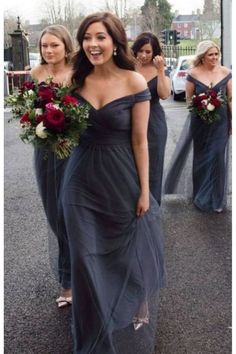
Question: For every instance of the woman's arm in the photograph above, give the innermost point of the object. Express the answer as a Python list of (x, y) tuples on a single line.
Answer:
[(229, 103), (229, 94), (140, 116), (163, 82), (189, 90)]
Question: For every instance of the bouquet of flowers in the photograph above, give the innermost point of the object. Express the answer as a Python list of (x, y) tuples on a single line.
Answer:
[(206, 104), (49, 116)]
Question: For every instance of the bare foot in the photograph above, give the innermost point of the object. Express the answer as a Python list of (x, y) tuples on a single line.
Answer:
[(65, 298)]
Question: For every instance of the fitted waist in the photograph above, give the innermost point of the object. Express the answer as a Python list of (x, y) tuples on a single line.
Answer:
[(106, 138)]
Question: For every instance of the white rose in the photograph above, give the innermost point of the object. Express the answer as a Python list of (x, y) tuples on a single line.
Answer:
[(210, 107), (28, 93), (40, 131), (204, 102), (38, 111)]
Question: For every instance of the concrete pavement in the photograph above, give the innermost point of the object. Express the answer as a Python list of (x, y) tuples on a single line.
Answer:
[(195, 307)]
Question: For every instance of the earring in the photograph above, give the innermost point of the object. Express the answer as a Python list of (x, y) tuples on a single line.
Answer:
[(115, 52)]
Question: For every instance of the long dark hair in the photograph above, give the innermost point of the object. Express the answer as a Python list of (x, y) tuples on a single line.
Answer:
[(81, 65), (147, 38)]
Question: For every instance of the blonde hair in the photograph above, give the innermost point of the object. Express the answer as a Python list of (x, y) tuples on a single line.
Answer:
[(201, 50)]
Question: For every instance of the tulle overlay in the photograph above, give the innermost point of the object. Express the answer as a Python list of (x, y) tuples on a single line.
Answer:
[(209, 157), (117, 258), (157, 136), (49, 175)]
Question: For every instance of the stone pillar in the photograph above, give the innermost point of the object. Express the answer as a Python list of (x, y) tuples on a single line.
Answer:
[(20, 48)]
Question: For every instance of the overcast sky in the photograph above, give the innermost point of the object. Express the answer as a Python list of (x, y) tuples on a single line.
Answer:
[(33, 10)]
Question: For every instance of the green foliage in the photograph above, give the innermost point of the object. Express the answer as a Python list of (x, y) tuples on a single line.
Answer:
[(156, 15), (165, 12)]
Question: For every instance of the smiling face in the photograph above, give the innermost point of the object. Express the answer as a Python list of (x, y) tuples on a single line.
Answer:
[(211, 57), (52, 49), (98, 44), (145, 54)]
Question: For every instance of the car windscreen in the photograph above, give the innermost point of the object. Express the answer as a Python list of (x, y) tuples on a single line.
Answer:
[(184, 65)]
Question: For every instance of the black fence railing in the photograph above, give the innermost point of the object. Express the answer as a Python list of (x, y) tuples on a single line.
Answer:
[(173, 51)]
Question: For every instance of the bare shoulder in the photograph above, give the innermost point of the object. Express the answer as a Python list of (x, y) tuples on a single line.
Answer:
[(193, 72), (225, 70), (37, 71), (136, 81)]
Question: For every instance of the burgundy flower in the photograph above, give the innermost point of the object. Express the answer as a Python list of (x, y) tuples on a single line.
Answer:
[(25, 118), (54, 120), (40, 118), (212, 93), (215, 102), (197, 101), (69, 100), (46, 93), (27, 85)]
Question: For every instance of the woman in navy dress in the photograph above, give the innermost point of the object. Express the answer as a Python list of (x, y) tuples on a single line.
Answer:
[(151, 65), (209, 171), (112, 222), (56, 48)]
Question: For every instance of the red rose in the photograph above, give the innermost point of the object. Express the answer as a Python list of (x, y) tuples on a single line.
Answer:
[(197, 101), (27, 85), (54, 120), (47, 94), (212, 93), (69, 100), (25, 118), (215, 102), (202, 97)]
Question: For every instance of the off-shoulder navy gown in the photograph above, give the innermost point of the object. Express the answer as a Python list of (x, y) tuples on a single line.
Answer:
[(49, 174), (157, 135), (209, 168), (116, 257)]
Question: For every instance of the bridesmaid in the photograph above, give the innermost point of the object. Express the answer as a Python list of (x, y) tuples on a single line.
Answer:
[(56, 48), (151, 64), (209, 171), (112, 221)]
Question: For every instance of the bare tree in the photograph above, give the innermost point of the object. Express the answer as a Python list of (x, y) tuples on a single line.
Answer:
[(151, 19), (119, 8), (67, 13), (210, 19), (10, 25)]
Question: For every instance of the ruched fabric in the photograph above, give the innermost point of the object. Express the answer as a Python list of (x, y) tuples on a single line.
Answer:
[(157, 136), (49, 172), (117, 259)]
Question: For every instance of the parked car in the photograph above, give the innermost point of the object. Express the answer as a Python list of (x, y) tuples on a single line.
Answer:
[(34, 59), (170, 63), (178, 76)]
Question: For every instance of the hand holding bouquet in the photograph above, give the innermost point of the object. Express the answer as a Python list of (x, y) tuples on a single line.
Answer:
[(206, 104), (49, 116)]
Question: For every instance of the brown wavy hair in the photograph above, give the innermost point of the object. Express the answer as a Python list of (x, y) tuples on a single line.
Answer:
[(81, 64), (147, 38), (61, 33)]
